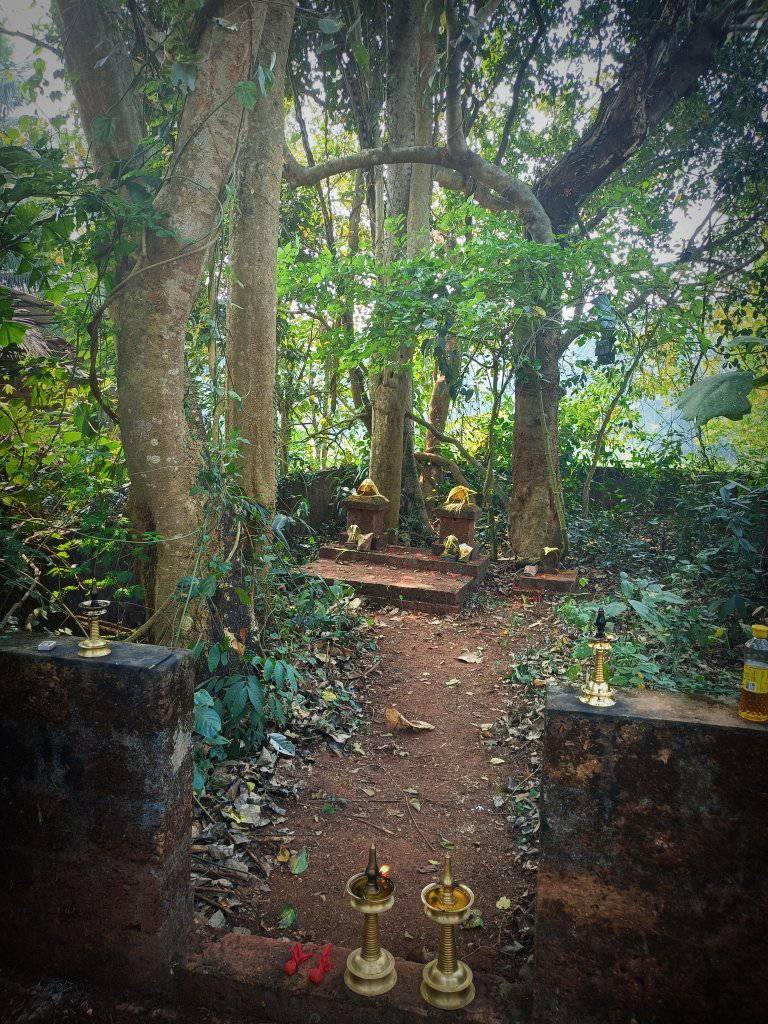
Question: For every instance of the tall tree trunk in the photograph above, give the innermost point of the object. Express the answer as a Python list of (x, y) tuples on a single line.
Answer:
[(390, 390), (536, 513), (417, 226), (153, 302), (252, 323)]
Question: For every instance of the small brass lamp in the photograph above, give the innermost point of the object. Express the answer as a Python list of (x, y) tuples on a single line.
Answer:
[(94, 646), (371, 969), (595, 691), (447, 981)]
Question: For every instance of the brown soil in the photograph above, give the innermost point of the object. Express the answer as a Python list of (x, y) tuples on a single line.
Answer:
[(413, 792)]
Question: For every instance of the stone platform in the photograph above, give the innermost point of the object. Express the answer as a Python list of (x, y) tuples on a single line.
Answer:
[(240, 977), (412, 578), (652, 890), (96, 791)]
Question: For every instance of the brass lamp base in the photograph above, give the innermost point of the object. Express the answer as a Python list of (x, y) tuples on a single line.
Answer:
[(370, 968), (370, 977), (446, 991), (597, 695), (596, 692), (446, 982), (94, 645), (93, 648)]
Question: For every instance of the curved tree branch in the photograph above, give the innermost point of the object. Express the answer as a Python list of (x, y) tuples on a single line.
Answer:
[(663, 68), (513, 193)]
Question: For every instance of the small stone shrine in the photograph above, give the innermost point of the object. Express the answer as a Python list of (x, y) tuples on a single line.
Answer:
[(365, 511), (436, 579), (457, 518)]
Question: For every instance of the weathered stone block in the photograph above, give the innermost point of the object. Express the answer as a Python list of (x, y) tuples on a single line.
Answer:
[(367, 516), (459, 524), (241, 977), (653, 888), (95, 782)]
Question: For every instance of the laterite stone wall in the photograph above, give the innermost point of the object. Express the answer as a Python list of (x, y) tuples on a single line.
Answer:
[(653, 881), (96, 792)]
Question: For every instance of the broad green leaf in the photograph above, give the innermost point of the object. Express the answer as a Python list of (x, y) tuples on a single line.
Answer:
[(11, 333), (330, 25), (207, 722), (214, 658), (299, 862), (103, 128), (247, 94), (236, 698), (255, 695), (266, 79), (724, 394), (646, 613)]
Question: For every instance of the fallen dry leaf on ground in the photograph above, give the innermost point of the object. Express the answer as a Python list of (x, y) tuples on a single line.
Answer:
[(397, 721)]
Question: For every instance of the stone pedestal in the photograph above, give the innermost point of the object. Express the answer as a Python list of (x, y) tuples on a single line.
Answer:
[(96, 791), (460, 524), (653, 882), (367, 514)]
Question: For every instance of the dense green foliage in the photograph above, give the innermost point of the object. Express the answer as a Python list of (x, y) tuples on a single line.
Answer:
[(660, 295)]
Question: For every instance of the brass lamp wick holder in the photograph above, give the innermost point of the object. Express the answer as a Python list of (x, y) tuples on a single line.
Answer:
[(595, 691), (446, 981), (94, 645), (370, 968)]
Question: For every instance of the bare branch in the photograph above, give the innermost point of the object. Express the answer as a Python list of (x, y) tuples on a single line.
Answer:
[(664, 67), (33, 39), (446, 440), (520, 77)]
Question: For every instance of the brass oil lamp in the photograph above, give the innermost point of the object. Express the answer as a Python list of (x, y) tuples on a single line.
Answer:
[(371, 969), (447, 981), (94, 645), (596, 692)]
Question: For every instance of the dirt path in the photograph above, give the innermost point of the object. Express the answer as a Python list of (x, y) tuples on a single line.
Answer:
[(414, 793)]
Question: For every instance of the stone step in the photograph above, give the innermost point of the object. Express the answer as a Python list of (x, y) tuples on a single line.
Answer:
[(241, 977), (403, 557), (419, 589)]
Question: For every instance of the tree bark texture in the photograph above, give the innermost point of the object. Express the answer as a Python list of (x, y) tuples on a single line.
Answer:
[(151, 305), (439, 408), (536, 516), (390, 390), (408, 105), (89, 35), (389, 401), (252, 317)]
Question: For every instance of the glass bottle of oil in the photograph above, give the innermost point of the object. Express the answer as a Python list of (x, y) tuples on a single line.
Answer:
[(753, 703)]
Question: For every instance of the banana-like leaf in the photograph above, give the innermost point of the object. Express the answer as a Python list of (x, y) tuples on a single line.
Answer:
[(724, 394)]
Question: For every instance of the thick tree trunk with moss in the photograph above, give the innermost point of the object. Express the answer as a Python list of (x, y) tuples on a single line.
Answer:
[(251, 322), (152, 303)]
